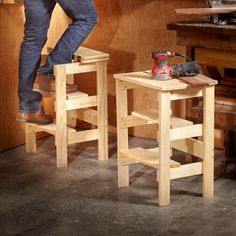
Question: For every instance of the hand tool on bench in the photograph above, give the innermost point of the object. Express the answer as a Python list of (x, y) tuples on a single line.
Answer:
[(161, 70), (184, 71), (222, 12)]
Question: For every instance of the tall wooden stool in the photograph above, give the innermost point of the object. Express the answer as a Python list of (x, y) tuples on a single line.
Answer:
[(173, 132), (82, 103)]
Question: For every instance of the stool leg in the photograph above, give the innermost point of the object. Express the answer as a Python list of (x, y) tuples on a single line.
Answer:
[(61, 119), (208, 141), (30, 138), (164, 148), (102, 117), (122, 133), (71, 119)]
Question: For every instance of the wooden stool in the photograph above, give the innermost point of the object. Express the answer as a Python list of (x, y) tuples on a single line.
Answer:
[(90, 61), (173, 132)]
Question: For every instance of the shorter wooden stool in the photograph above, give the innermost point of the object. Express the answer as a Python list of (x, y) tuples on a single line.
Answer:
[(173, 132), (81, 103)]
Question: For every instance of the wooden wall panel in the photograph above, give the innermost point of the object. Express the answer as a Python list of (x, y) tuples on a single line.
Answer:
[(11, 34), (128, 30)]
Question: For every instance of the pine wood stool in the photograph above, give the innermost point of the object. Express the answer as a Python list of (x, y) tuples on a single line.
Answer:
[(173, 132), (81, 103)]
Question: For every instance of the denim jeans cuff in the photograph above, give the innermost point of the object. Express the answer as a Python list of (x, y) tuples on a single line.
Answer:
[(31, 111)]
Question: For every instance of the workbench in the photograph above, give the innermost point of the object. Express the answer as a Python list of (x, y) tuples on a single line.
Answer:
[(172, 132), (214, 48)]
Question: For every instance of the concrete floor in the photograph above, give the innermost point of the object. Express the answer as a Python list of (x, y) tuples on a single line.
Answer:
[(83, 199)]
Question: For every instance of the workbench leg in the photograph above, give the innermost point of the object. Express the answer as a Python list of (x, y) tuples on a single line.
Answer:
[(164, 148), (30, 138), (122, 133), (208, 141), (61, 116), (102, 117)]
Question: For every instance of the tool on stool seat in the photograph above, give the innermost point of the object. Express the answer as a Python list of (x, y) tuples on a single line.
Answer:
[(161, 70), (188, 72)]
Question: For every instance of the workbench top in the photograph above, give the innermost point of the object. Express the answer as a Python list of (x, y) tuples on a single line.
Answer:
[(202, 27)]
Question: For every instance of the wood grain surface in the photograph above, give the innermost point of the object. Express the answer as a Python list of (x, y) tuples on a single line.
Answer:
[(204, 11), (11, 34), (127, 30)]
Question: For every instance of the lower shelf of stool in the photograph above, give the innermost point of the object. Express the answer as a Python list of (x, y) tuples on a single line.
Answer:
[(73, 135), (147, 157), (50, 128)]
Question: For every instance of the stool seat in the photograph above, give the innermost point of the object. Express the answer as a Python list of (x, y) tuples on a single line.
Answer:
[(87, 55)]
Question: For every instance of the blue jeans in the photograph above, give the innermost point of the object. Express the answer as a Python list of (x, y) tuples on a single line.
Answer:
[(38, 15)]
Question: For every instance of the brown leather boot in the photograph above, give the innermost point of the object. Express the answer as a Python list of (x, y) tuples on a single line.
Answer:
[(38, 117), (46, 84)]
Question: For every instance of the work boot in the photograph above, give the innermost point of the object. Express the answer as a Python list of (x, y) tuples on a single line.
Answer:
[(46, 84), (38, 117)]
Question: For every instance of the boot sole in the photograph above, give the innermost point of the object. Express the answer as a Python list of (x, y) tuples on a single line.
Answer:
[(32, 121)]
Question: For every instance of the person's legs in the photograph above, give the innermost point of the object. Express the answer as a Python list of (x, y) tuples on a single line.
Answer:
[(38, 14), (84, 17)]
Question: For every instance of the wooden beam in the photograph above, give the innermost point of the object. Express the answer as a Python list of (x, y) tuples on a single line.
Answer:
[(186, 132), (186, 170), (76, 68), (102, 113), (30, 138), (87, 115), (189, 145), (82, 136), (147, 157), (86, 102), (186, 93), (208, 141), (61, 118), (122, 133), (163, 175), (133, 121)]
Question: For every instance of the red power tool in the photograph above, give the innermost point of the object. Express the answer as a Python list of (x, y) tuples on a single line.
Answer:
[(161, 70)]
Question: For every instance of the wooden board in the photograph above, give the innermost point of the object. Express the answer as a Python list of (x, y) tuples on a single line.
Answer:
[(146, 157), (143, 79), (218, 58), (76, 95), (204, 11), (205, 27), (87, 55), (50, 128), (153, 117)]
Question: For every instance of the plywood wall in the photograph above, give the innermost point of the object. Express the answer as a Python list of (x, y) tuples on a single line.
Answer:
[(11, 34), (128, 30)]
